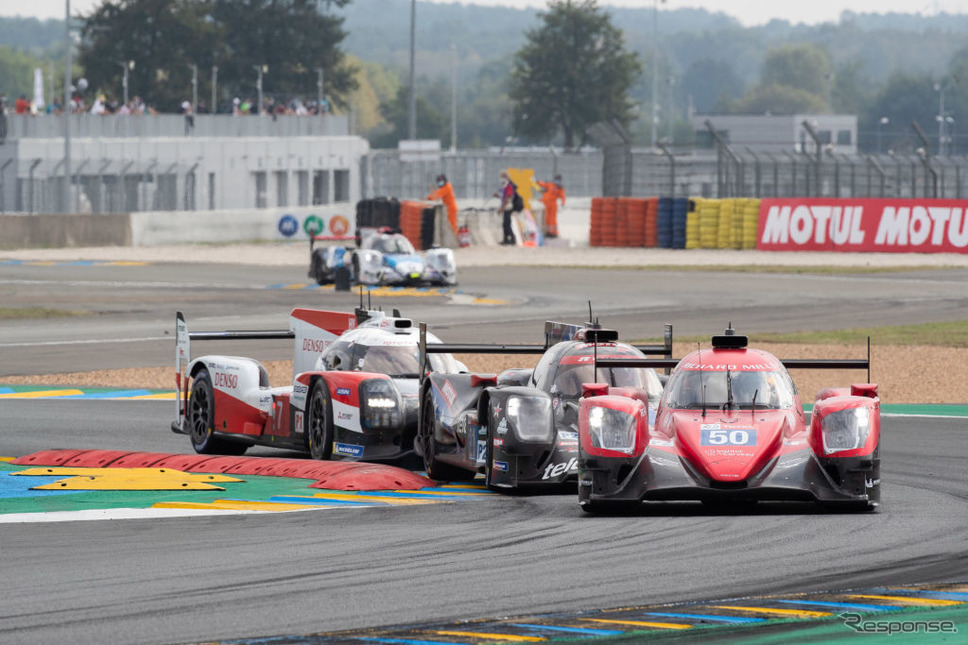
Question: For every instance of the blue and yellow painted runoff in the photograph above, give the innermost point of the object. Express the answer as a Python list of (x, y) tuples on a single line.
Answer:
[(61, 392), (73, 263), (649, 622)]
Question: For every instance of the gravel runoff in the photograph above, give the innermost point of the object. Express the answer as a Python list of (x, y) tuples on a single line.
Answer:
[(296, 254)]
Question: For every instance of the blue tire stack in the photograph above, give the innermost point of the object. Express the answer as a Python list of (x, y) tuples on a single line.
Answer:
[(664, 223), (680, 208)]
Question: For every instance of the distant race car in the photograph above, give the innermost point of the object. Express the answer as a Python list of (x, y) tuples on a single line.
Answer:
[(730, 428), (353, 393), (384, 257), (520, 427)]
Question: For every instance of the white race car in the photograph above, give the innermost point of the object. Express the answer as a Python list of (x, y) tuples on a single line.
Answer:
[(387, 257)]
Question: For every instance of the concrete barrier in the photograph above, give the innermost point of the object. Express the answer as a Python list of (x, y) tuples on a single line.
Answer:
[(271, 224), (22, 231)]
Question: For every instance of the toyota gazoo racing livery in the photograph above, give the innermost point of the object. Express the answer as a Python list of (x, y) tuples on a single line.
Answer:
[(520, 427), (386, 257), (353, 394), (730, 428)]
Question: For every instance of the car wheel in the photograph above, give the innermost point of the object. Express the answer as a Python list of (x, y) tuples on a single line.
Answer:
[(319, 422), (437, 470), (201, 420), (317, 269)]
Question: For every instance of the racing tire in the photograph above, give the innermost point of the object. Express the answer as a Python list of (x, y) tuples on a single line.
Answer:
[(319, 422), (437, 470), (201, 420), (317, 268)]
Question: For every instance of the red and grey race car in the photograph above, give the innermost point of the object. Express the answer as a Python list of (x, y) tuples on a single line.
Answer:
[(520, 427), (730, 428), (353, 393)]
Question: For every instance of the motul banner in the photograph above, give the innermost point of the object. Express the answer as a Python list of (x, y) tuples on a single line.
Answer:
[(884, 225)]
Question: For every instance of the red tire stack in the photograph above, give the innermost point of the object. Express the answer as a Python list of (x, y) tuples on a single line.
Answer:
[(595, 225), (651, 225), (636, 218), (411, 222), (622, 223)]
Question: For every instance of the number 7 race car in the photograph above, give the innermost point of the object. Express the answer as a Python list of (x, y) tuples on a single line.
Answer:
[(730, 428), (353, 393), (520, 427)]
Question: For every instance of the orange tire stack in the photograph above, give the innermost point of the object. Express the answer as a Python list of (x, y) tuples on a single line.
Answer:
[(636, 219), (595, 225), (608, 221), (651, 225), (622, 223), (411, 221)]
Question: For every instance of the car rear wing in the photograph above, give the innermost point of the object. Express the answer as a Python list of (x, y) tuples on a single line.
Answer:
[(329, 238), (555, 332), (789, 363)]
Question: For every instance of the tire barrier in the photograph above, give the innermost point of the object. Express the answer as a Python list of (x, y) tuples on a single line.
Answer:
[(674, 223), (378, 212)]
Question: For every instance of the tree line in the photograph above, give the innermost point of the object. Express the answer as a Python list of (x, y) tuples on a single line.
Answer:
[(534, 77)]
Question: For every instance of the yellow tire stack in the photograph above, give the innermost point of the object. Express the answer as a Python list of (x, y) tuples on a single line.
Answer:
[(708, 223), (724, 232), (693, 222), (751, 223)]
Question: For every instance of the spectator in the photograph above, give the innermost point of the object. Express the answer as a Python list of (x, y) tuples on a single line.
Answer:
[(511, 202), (553, 192), (445, 193), (186, 109), (22, 105)]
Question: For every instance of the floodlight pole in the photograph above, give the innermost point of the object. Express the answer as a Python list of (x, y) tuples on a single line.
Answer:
[(66, 196)]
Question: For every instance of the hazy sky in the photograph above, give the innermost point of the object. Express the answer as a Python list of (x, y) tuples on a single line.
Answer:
[(749, 12)]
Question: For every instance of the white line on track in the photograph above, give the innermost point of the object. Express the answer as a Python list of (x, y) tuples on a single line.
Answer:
[(87, 342)]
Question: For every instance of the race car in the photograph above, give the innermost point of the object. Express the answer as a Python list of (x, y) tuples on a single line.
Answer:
[(520, 427), (383, 256), (730, 428), (353, 394)]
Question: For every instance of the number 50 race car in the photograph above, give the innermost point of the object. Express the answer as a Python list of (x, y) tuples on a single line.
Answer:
[(730, 427), (520, 427), (353, 393)]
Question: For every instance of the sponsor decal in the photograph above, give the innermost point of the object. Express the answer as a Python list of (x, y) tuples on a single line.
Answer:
[(481, 451), (557, 470), (298, 422), (886, 225), (344, 415), (339, 225), (314, 345), (225, 381), (288, 225), (448, 392), (717, 436), (348, 449), (498, 442), (502, 427), (500, 465), (313, 225), (497, 410), (342, 391)]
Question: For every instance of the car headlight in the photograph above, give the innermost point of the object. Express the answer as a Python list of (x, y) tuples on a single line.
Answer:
[(530, 417), (380, 404), (845, 429), (611, 429)]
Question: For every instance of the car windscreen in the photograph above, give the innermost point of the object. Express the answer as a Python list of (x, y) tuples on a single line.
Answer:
[(392, 360), (569, 379), (694, 389)]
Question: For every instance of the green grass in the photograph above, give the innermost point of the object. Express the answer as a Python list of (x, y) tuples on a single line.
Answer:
[(946, 334), (26, 313)]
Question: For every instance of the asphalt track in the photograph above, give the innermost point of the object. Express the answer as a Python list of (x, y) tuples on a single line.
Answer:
[(205, 578)]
